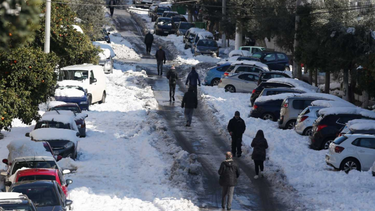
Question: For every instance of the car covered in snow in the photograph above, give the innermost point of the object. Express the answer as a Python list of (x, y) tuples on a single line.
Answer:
[(362, 126), (163, 26), (158, 12), (43, 174), (182, 27), (352, 152), (245, 66), (72, 94), (331, 121), (243, 82), (63, 142), (258, 90), (90, 77), (205, 47), (16, 201), (265, 76), (215, 73), (47, 195), (190, 36)]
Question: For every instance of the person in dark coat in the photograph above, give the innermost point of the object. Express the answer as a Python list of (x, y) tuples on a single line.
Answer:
[(111, 6), (160, 58), (259, 152), (149, 39), (236, 127), (190, 102), (228, 179), (172, 77), (193, 80)]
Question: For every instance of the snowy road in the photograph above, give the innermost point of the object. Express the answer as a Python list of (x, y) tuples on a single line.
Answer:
[(201, 139)]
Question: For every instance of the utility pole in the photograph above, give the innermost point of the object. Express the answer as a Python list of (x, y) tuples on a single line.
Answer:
[(47, 30), (238, 41), (224, 11), (296, 69)]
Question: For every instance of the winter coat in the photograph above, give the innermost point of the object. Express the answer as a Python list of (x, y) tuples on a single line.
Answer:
[(111, 3), (228, 173), (149, 38), (160, 55), (259, 152), (190, 100), (193, 79), (237, 127), (172, 76)]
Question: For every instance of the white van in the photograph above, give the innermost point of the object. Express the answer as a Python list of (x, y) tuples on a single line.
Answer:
[(90, 77)]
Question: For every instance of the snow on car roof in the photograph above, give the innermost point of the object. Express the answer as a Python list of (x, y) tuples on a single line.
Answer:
[(64, 117), (275, 97), (361, 124), (196, 30), (106, 47), (239, 53), (52, 104), (64, 91), (26, 148), (81, 67), (322, 95), (329, 103), (347, 110), (205, 34), (44, 134), (259, 64), (296, 83), (11, 195)]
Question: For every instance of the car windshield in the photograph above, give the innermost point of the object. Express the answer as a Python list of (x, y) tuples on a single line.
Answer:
[(51, 124), (75, 109), (16, 207), (36, 177), (34, 164), (78, 75), (41, 195), (207, 43), (165, 22), (257, 55), (184, 25)]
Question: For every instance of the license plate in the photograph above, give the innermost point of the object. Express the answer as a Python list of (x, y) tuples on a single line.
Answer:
[(166, 32), (56, 152)]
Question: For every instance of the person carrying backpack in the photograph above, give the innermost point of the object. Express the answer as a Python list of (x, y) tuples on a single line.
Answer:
[(228, 179), (172, 77)]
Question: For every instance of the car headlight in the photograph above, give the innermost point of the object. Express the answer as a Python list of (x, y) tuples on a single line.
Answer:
[(83, 102), (68, 145)]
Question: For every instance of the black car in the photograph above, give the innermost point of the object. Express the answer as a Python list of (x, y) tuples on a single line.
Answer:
[(74, 107), (46, 195), (275, 91), (327, 127), (265, 76), (182, 27), (16, 201), (256, 92), (176, 20), (158, 12), (163, 26), (267, 110), (274, 60)]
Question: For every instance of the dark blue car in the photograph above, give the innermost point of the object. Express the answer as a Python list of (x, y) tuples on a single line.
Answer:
[(214, 75), (163, 26), (72, 94), (274, 60)]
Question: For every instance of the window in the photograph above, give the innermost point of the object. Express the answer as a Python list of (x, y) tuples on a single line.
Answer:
[(248, 77), (270, 57), (245, 49), (254, 50), (241, 69), (254, 70), (281, 56), (92, 74), (298, 104), (367, 143), (223, 68), (266, 76)]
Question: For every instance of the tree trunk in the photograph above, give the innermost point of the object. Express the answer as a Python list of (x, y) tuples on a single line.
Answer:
[(327, 82), (299, 72), (310, 74), (346, 84), (365, 98), (190, 15), (316, 77)]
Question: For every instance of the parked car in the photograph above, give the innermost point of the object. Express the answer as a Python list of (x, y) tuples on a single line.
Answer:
[(331, 120), (44, 174), (215, 73), (80, 118), (90, 77), (265, 76), (361, 126), (274, 60), (202, 35), (352, 152), (252, 49), (63, 142), (239, 53), (205, 46), (72, 94), (245, 66), (280, 90), (158, 12), (182, 27), (293, 106), (46, 194), (169, 14), (242, 82), (163, 26), (190, 36), (16, 201), (105, 56), (256, 92), (247, 58), (268, 107), (176, 20)]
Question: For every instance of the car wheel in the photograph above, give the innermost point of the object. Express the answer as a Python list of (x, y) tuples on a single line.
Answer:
[(327, 142), (215, 82), (103, 98), (186, 47), (290, 124), (308, 131), (89, 101), (350, 164), (230, 88), (268, 116)]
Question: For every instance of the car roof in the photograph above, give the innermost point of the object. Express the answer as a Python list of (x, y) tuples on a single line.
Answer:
[(37, 171), (66, 105), (348, 111), (47, 134), (252, 63), (65, 119), (81, 67), (12, 196), (283, 89), (266, 83), (34, 158), (26, 148), (196, 30), (360, 135)]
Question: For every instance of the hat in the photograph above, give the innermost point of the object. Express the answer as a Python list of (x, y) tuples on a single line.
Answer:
[(237, 113)]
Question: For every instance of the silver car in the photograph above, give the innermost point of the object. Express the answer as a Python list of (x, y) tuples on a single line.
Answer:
[(306, 119), (242, 82)]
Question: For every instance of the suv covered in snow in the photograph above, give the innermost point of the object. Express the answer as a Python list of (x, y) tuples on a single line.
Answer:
[(16, 201)]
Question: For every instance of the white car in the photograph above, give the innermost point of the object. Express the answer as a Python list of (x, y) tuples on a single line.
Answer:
[(90, 77), (306, 119), (245, 66), (352, 151), (243, 82)]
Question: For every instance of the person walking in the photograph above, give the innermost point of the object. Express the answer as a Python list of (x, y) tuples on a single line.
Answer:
[(149, 39), (111, 6), (228, 179), (236, 127), (259, 152), (160, 58), (172, 77), (190, 102), (193, 80)]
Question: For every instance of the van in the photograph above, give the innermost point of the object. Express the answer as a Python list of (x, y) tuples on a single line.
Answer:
[(90, 77), (190, 36)]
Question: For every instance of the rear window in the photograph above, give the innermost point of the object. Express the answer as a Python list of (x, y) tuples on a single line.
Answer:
[(339, 140), (230, 68), (37, 177), (305, 111), (223, 68), (301, 104)]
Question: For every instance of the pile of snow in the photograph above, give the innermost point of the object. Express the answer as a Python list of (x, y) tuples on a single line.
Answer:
[(361, 124), (106, 47), (239, 53), (69, 91), (329, 103), (275, 97), (347, 110), (118, 49), (300, 85), (47, 134), (26, 148)]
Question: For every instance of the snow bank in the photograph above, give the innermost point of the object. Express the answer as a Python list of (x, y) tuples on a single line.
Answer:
[(347, 110), (329, 104), (106, 47), (361, 124), (296, 83), (69, 92), (47, 134), (275, 97), (26, 148)]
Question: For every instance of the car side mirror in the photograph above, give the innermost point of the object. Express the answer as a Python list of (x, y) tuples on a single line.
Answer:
[(8, 183), (68, 202), (93, 80), (5, 161), (66, 171), (68, 182), (27, 134)]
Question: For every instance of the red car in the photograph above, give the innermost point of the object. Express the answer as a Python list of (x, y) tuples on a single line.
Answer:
[(44, 174)]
